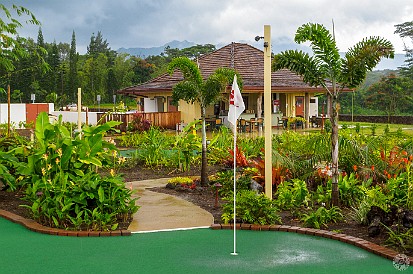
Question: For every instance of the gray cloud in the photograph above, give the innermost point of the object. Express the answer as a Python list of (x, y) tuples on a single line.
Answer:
[(147, 23)]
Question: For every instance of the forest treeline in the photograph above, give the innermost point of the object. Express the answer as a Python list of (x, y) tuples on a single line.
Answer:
[(102, 71)]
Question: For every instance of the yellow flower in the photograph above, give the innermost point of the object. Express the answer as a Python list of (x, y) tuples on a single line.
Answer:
[(112, 172), (49, 167), (45, 156), (121, 160), (43, 171), (59, 152), (115, 153), (57, 161)]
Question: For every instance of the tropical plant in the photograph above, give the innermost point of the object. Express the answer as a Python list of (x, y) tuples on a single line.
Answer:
[(327, 69), (350, 191), (218, 146), (251, 208), (399, 239), (138, 123), (205, 92), (322, 216), (62, 183), (187, 145), (154, 148), (292, 194), (359, 213), (226, 180)]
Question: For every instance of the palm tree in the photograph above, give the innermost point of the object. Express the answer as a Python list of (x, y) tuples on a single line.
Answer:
[(193, 88), (326, 66)]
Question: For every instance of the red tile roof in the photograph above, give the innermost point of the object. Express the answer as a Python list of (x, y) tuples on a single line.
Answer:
[(246, 59)]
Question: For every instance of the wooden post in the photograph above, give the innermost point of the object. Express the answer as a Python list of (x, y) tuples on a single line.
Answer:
[(79, 111), (267, 111), (8, 110)]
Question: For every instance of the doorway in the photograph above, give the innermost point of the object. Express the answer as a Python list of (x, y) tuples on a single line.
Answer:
[(299, 106)]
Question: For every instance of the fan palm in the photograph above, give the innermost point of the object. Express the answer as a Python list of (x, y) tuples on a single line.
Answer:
[(327, 69), (193, 88)]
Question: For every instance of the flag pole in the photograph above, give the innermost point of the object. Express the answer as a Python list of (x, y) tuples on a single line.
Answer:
[(236, 107), (235, 186)]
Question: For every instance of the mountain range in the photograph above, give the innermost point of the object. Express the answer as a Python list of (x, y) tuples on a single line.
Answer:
[(277, 46)]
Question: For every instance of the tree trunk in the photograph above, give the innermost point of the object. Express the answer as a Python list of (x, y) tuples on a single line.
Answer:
[(334, 150), (204, 163)]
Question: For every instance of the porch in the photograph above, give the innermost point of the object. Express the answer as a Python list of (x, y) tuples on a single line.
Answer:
[(165, 120)]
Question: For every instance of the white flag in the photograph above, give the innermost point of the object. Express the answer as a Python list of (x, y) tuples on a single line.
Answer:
[(236, 104)]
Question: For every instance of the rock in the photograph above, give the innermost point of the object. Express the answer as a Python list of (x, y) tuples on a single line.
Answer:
[(374, 219), (374, 227), (407, 219), (170, 186), (256, 186)]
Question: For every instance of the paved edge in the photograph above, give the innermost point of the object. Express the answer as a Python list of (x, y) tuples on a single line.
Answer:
[(36, 227), (366, 245)]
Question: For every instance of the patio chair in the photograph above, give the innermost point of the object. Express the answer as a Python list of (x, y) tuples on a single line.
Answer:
[(280, 122), (218, 123), (260, 123), (242, 125), (252, 124)]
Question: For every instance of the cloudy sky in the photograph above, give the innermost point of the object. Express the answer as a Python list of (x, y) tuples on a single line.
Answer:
[(148, 23)]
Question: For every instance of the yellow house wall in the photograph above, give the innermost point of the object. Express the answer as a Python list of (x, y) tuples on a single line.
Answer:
[(189, 112)]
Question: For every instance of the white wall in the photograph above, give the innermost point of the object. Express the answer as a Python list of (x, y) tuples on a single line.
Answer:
[(150, 105), (71, 116), (17, 114), (313, 107)]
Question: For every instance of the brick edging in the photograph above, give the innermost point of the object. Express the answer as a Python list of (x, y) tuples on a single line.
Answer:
[(366, 245), (36, 227)]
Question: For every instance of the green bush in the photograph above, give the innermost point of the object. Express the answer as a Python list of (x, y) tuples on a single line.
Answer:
[(226, 179), (292, 194), (322, 216), (251, 208), (62, 183)]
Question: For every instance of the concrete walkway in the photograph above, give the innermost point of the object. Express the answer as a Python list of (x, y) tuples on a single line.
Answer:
[(160, 211)]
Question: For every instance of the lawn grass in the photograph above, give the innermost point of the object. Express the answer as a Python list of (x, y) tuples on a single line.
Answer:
[(366, 128)]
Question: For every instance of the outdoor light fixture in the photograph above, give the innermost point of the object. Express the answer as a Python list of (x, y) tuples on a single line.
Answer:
[(258, 38)]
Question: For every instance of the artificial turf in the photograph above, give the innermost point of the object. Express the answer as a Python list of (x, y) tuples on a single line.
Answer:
[(190, 251)]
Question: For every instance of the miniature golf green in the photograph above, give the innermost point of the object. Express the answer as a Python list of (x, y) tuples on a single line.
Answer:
[(190, 251)]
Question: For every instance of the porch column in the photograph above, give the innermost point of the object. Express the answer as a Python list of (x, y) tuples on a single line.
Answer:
[(307, 109), (267, 111)]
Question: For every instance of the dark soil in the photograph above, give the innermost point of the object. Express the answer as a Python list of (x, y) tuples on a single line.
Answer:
[(204, 197)]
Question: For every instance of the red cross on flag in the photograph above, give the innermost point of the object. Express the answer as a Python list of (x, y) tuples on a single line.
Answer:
[(236, 104)]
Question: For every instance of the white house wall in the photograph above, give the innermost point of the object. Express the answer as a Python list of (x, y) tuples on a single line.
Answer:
[(71, 116), (17, 114), (150, 105)]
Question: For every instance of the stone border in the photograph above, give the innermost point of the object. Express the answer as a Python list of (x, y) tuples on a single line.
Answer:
[(36, 227), (366, 245)]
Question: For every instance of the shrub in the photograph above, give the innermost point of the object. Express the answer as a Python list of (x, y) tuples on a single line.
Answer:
[(322, 216), (138, 123), (359, 214), (226, 179), (251, 208), (290, 195), (62, 183)]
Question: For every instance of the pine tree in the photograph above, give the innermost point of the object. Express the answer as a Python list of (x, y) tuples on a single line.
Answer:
[(73, 77)]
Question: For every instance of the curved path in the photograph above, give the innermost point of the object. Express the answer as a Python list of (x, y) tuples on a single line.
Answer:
[(160, 211)]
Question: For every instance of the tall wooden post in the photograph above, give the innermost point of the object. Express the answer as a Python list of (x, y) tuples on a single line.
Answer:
[(79, 112), (8, 110), (267, 111)]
